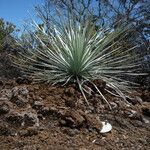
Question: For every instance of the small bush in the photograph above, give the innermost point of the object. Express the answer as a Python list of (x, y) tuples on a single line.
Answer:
[(7, 70)]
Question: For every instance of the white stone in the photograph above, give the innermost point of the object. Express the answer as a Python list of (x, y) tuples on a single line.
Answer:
[(106, 127)]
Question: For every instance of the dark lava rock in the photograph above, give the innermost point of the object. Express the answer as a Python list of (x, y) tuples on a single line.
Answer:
[(13, 133), (70, 91), (4, 130), (20, 96), (32, 131), (15, 119), (23, 91), (134, 115), (145, 96), (28, 132), (23, 133), (31, 119), (50, 111), (20, 91), (44, 111), (1, 83), (118, 121), (4, 108), (133, 101), (137, 123), (5, 94), (93, 122), (23, 119), (71, 132), (37, 105), (72, 119), (100, 142), (146, 111), (9, 83), (19, 101), (70, 103)]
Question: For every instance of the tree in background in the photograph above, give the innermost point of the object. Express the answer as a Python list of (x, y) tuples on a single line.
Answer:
[(6, 35), (110, 12), (7, 46)]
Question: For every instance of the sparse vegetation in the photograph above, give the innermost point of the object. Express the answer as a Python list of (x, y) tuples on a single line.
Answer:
[(6, 38)]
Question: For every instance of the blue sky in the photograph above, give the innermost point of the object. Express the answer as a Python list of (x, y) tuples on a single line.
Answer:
[(16, 11)]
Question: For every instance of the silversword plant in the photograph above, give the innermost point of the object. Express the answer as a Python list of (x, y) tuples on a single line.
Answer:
[(73, 51)]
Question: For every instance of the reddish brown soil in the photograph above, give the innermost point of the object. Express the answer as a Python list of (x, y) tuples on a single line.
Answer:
[(45, 117)]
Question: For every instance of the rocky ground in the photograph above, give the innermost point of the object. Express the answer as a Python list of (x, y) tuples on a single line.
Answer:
[(45, 117)]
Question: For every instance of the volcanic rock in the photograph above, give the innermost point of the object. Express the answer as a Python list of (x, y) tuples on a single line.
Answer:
[(30, 119), (72, 119), (15, 118), (4, 108), (93, 122), (5, 94), (4, 130), (19, 100), (38, 105)]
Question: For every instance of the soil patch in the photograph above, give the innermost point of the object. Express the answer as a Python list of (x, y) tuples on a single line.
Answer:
[(41, 116)]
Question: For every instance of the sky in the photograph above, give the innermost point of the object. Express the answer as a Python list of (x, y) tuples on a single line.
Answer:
[(17, 11)]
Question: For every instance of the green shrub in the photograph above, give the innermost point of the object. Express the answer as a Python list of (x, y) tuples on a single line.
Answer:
[(6, 38), (7, 46)]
